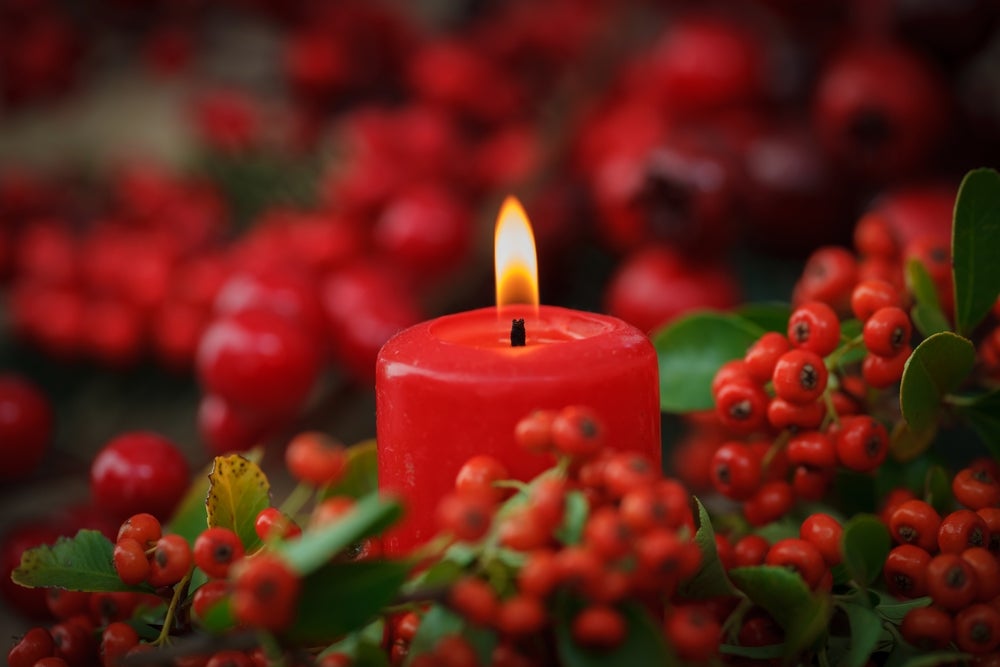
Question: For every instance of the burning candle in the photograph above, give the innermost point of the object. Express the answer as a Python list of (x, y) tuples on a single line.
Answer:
[(455, 387)]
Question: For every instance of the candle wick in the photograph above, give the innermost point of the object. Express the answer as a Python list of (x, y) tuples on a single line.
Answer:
[(518, 335)]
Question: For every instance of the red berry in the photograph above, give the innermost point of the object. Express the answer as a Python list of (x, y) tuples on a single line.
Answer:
[(577, 431), (143, 528), (823, 532), (25, 426), (32, 647), (736, 471), (607, 533), (829, 276), (872, 295), (271, 524), (991, 517), (693, 632), (331, 510), (976, 487), (814, 326), (750, 550), (467, 515), (170, 561), (905, 571), (730, 372), (625, 471), (116, 641), (782, 414), (799, 376), (812, 448), (534, 432), (799, 555), (229, 658), (887, 332), (741, 407), (987, 570), (73, 642), (479, 473), (207, 596), (131, 562), (64, 604), (915, 522), (539, 575), (139, 472), (951, 582), (927, 628), (862, 443), (763, 354), (474, 599), (315, 458), (265, 593), (521, 616), (215, 550), (882, 372), (599, 627), (960, 530), (771, 502), (977, 629)]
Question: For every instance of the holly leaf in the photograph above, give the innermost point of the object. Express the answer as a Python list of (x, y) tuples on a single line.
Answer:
[(315, 548), (710, 580), (866, 629), (691, 350), (574, 518), (982, 413), (342, 597), (643, 645), (237, 492), (937, 367), (865, 544), (361, 475), (975, 244), (926, 313), (80, 563)]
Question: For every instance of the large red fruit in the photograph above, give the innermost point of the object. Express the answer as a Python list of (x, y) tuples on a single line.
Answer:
[(656, 285), (25, 426), (139, 472), (259, 360)]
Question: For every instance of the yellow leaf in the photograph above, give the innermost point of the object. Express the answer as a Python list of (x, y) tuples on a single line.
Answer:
[(238, 490)]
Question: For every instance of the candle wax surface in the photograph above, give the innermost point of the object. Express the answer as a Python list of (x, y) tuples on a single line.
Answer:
[(453, 388)]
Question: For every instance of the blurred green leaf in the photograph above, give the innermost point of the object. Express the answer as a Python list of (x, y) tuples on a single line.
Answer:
[(926, 312), (710, 581), (982, 413), (866, 628), (769, 316), (361, 476), (574, 518), (865, 544), (937, 489), (937, 366), (975, 247)]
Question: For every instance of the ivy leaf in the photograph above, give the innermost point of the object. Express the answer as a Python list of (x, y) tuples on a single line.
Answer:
[(80, 563), (342, 597), (865, 544), (926, 313), (982, 413), (692, 349), (316, 547), (574, 518), (937, 366), (866, 628), (710, 581), (975, 242), (238, 490), (361, 476), (643, 645)]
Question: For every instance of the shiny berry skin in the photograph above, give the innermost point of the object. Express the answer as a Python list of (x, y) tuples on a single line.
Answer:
[(862, 443), (215, 550), (116, 640), (139, 472), (316, 458), (467, 515), (272, 524), (525, 529), (960, 530), (73, 642), (881, 372), (987, 569), (811, 484), (25, 426), (905, 571), (915, 522), (32, 647), (599, 626), (64, 604), (283, 292), (799, 376), (131, 562), (577, 431), (814, 449), (951, 582), (144, 528), (782, 414), (977, 629), (474, 599), (761, 357), (539, 575), (771, 502), (976, 487), (735, 370), (53, 661), (741, 407), (870, 296), (799, 555), (829, 276), (607, 533), (265, 593), (693, 632), (814, 326), (736, 471), (259, 360), (207, 596), (887, 331), (521, 615), (750, 550), (479, 473), (170, 562), (991, 517), (927, 628), (823, 532), (624, 471), (534, 432)]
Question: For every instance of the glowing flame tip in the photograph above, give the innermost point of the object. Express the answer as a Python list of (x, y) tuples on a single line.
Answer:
[(516, 263)]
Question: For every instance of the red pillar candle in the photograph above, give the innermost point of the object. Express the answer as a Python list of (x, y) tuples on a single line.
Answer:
[(455, 387)]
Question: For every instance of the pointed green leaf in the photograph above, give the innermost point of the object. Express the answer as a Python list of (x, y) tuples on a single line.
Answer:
[(781, 592), (238, 491), (80, 563), (710, 581), (926, 312), (866, 628), (691, 350), (574, 518), (865, 544), (975, 246), (938, 366)]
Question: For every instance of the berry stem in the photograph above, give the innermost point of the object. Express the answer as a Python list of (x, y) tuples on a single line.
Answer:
[(833, 361), (180, 591)]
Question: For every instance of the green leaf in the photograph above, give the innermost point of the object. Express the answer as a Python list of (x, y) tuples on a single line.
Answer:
[(363, 647), (907, 445), (982, 413), (808, 627), (361, 476), (316, 547), (710, 581), (80, 563), (937, 489), (781, 592), (895, 611), (937, 367), (926, 312), (691, 350), (574, 518), (865, 544), (768, 315), (923, 659), (238, 491), (754, 652), (644, 642), (190, 518), (975, 246), (866, 628), (439, 622), (342, 597)]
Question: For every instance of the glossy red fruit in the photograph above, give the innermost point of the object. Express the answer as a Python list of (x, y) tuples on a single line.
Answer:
[(862, 443), (750, 550), (761, 357), (226, 427), (32, 647), (577, 431), (802, 556), (977, 629), (741, 407), (927, 628), (265, 593), (771, 502), (951, 582), (915, 522), (259, 360), (290, 294), (693, 632), (887, 331), (474, 599), (130, 561), (823, 532), (881, 372), (736, 471), (976, 487), (116, 641), (829, 276), (814, 326), (480, 473), (316, 458), (139, 472), (64, 603), (216, 549), (905, 571), (987, 569), (25, 426), (170, 561), (799, 376), (272, 524), (872, 295), (207, 596), (599, 627), (467, 515), (960, 530)]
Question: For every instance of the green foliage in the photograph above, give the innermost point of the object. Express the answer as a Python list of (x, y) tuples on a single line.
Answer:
[(238, 491), (982, 413), (644, 642), (937, 367), (440, 622), (710, 581), (361, 476), (974, 243), (865, 543), (80, 563), (866, 630), (574, 518), (926, 311), (692, 349)]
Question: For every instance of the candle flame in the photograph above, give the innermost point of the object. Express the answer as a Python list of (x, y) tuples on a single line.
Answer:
[(514, 256)]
